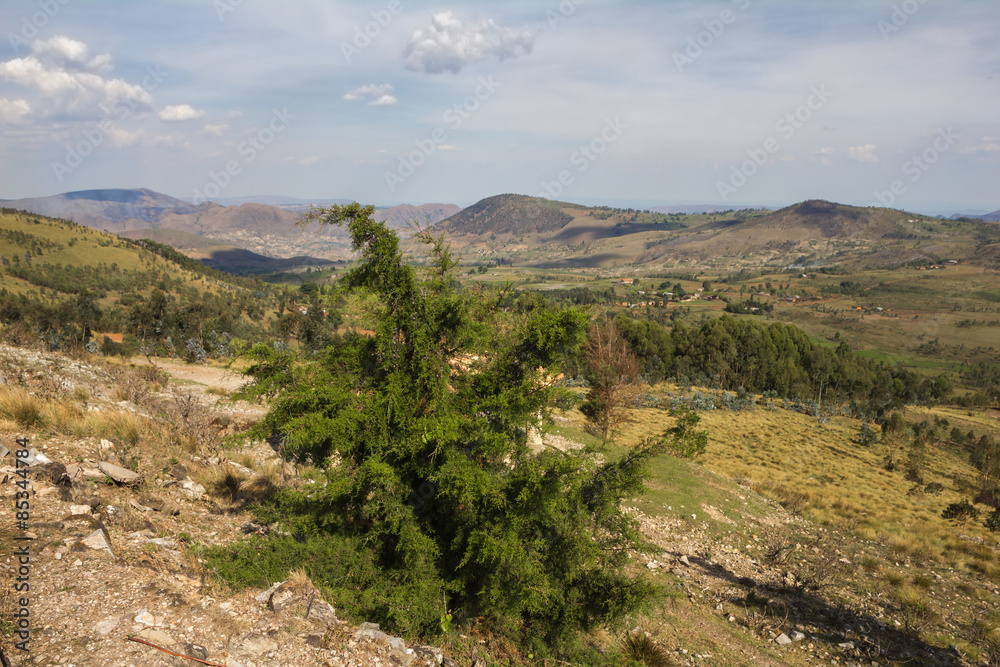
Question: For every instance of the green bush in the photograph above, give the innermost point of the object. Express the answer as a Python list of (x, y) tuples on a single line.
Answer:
[(436, 502), (960, 512)]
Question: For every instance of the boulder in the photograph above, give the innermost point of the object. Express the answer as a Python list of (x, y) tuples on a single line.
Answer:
[(253, 645), (118, 474), (98, 541)]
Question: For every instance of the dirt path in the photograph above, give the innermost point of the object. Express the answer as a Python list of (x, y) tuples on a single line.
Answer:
[(210, 376)]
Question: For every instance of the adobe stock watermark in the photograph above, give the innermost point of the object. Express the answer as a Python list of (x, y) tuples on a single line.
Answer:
[(900, 16), (786, 127), (93, 137), (714, 28), (584, 156), (248, 149), (918, 165), (224, 7), (453, 117), (561, 13), (365, 35), (32, 25)]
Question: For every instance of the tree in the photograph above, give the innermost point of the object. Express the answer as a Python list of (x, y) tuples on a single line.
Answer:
[(895, 433), (681, 439), (431, 492), (612, 369)]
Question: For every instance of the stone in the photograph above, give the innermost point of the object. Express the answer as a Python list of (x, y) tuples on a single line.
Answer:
[(192, 489), (847, 646), (145, 617), (158, 637), (314, 639), (106, 626), (195, 651), (53, 473), (652, 566), (303, 599), (139, 506), (118, 474), (98, 541), (253, 645), (77, 510), (783, 639), (4, 451), (429, 654), (178, 472), (798, 636), (684, 559)]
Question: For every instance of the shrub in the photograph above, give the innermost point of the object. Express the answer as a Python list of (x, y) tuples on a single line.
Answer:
[(960, 512), (637, 646), (993, 521)]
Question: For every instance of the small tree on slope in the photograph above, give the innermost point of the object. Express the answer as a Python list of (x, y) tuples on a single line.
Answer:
[(421, 431)]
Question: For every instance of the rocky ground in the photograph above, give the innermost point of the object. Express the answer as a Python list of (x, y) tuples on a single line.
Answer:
[(113, 580)]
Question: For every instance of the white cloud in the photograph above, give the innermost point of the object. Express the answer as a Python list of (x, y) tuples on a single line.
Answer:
[(180, 112), (452, 42), (68, 53), (70, 84), (864, 153), (987, 146), (377, 94), (215, 129), (13, 111)]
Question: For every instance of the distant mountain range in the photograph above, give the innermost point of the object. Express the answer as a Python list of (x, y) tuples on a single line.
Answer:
[(264, 229)]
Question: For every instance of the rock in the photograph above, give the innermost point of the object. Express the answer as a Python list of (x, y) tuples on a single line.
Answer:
[(652, 566), (253, 645), (73, 471), (429, 654), (145, 617), (4, 451), (98, 541), (304, 599), (243, 470), (178, 472), (36, 458), (314, 639), (139, 506), (684, 559), (266, 595), (448, 662), (163, 542), (798, 636), (53, 473), (847, 646), (119, 474), (195, 651), (192, 489), (106, 626), (371, 631), (158, 637), (783, 639), (77, 510)]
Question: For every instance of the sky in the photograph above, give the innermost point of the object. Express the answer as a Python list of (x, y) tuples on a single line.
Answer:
[(633, 102)]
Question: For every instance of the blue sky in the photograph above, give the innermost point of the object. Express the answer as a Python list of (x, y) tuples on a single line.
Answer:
[(741, 102)]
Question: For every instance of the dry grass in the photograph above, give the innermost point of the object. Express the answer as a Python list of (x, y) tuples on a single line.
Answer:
[(818, 470)]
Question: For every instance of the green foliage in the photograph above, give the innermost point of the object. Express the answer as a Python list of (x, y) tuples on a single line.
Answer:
[(993, 521), (960, 512), (682, 440), (429, 482)]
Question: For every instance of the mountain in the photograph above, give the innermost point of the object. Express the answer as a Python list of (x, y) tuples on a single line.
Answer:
[(509, 214), (260, 228), (109, 210), (546, 233)]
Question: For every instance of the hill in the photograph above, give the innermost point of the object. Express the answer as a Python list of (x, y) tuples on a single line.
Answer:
[(226, 257), (252, 225), (547, 234), (60, 281)]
